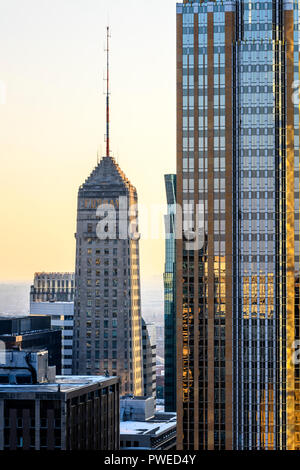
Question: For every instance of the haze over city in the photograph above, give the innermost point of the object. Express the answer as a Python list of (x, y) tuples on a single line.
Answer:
[(53, 121)]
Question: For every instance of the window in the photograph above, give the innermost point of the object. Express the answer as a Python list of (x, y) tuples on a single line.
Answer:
[(44, 423)]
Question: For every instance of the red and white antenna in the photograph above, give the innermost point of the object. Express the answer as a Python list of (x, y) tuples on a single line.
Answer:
[(107, 96)]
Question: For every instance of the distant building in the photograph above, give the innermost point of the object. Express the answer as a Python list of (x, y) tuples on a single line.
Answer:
[(160, 382), (53, 287), (160, 342), (149, 358), (170, 297), (53, 294), (143, 428), (32, 333), (237, 257), (62, 413)]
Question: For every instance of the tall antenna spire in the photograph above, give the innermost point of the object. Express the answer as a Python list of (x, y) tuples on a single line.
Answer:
[(107, 96)]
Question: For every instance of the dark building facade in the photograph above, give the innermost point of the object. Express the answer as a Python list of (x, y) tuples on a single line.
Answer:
[(53, 287), (32, 333), (170, 296), (74, 413), (238, 182)]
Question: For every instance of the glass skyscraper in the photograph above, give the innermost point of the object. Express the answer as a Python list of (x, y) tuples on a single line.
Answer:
[(170, 296), (238, 172)]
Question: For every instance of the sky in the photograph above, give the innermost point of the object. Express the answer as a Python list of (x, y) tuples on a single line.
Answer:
[(52, 114)]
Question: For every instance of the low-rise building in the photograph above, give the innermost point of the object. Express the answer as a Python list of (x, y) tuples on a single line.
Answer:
[(39, 411), (144, 428)]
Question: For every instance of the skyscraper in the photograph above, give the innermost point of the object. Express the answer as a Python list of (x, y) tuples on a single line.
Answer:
[(238, 180), (107, 311), (170, 296)]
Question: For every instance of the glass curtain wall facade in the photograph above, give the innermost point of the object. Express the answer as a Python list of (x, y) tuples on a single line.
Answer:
[(170, 296), (238, 163)]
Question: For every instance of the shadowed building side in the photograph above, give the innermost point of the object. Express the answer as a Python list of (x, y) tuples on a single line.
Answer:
[(170, 296)]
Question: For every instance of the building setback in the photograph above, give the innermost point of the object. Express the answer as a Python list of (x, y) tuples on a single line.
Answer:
[(170, 296), (238, 178)]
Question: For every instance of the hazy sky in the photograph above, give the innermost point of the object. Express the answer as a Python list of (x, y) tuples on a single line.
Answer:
[(53, 121)]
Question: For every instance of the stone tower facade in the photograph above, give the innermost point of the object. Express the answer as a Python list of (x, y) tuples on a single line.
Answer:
[(107, 321)]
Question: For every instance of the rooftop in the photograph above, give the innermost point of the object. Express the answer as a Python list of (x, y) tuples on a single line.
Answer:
[(107, 175), (160, 424), (63, 384), (52, 274)]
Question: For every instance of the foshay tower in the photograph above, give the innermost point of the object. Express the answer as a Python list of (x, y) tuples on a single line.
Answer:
[(107, 313)]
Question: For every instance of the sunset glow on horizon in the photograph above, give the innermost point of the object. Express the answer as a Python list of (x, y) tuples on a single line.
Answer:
[(53, 120)]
